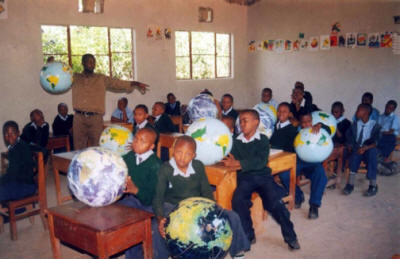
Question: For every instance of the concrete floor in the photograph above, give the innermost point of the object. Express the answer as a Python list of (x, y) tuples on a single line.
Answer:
[(348, 227)]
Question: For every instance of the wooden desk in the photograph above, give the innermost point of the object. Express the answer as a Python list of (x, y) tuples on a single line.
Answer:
[(167, 140), (102, 231), (224, 178), (123, 124)]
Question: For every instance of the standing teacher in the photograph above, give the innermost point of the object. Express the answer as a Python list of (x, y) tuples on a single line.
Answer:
[(88, 101)]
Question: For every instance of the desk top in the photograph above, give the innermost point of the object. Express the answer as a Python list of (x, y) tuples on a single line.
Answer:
[(67, 155), (104, 219)]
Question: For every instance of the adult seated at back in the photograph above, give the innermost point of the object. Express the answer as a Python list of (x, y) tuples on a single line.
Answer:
[(122, 113)]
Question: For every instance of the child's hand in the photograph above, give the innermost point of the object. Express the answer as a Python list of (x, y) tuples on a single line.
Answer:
[(361, 150), (230, 160), (315, 129), (130, 187), (161, 226), (338, 133)]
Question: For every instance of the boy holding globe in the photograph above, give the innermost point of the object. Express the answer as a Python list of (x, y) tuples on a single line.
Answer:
[(183, 177), (250, 153), (143, 166)]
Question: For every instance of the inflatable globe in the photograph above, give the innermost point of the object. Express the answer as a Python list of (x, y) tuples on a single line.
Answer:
[(267, 115), (197, 228), (116, 138), (96, 176), (202, 106), (213, 139), (311, 147), (325, 118), (56, 77)]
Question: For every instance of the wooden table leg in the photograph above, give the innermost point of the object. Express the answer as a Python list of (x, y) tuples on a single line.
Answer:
[(292, 185), (55, 242), (58, 185), (147, 242)]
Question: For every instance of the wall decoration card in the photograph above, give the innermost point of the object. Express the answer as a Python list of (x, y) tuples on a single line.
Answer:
[(325, 42), (304, 44), (150, 32), (252, 46), (260, 45), (296, 45), (3, 9), (314, 43), (351, 39), (265, 45), (167, 33), (279, 46), (288, 46), (341, 41), (271, 45), (396, 43), (158, 33), (334, 40), (386, 40), (373, 40), (361, 39)]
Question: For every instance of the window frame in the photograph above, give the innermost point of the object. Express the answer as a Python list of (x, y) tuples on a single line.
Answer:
[(110, 52), (215, 54)]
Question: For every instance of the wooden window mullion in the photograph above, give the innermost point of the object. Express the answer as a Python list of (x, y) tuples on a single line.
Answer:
[(215, 55), (109, 52), (190, 54), (69, 46)]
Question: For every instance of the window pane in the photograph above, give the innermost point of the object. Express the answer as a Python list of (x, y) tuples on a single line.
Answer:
[(203, 43), (122, 66), (86, 39), (203, 66), (57, 58), (182, 67), (223, 66), (54, 39), (223, 44), (182, 43), (102, 64), (121, 40)]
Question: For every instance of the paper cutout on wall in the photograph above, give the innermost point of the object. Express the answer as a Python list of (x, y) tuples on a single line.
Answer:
[(3, 9), (265, 45), (336, 28), (271, 45), (296, 45), (361, 39), (334, 40), (373, 40), (351, 39), (304, 44), (314, 43), (342, 41), (167, 33), (301, 35), (252, 46), (279, 46), (386, 40), (260, 45), (325, 42), (396, 43), (149, 33), (288, 45), (159, 34)]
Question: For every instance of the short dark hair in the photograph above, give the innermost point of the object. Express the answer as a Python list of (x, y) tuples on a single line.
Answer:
[(62, 104), (143, 107), (299, 85), (150, 131), (337, 104), (365, 106), (170, 94), (252, 112), (368, 95), (161, 104), (284, 104), (206, 91), (36, 111), (230, 119), (86, 57), (267, 89), (228, 96), (304, 114), (186, 139), (124, 99), (10, 124), (392, 102)]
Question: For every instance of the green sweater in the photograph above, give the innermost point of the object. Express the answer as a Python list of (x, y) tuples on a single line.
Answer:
[(144, 176), (20, 164), (173, 189), (253, 156)]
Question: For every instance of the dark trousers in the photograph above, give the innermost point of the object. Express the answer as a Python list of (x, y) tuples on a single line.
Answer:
[(270, 195), (370, 159), (386, 145), (10, 191)]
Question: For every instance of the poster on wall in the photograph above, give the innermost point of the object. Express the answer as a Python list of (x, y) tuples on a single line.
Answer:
[(373, 40), (3, 9), (288, 46), (252, 46), (279, 46), (334, 40), (386, 40), (341, 41), (361, 39), (271, 45), (265, 45), (314, 43), (325, 42), (167, 33), (396, 43), (351, 38), (303, 44), (296, 45), (159, 34), (149, 32)]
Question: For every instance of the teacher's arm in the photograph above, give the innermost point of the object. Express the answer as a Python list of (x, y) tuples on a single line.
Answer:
[(117, 84)]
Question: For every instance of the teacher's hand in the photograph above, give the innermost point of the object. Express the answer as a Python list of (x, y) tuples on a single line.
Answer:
[(142, 87)]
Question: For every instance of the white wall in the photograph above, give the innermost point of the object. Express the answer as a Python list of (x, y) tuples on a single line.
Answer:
[(21, 54), (337, 74)]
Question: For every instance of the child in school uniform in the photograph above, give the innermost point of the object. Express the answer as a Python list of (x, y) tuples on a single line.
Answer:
[(284, 132), (143, 166), (229, 122), (368, 98), (172, 107), (122, 113), (250, 153), (18, 181), (62, 124), (389, 131), (266, 97), (36, 133), (362, 138), (162, 122), (141, 114), (227, 106), (184, 177)]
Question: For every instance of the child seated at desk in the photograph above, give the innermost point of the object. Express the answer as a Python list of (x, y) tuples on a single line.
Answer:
[(122, 113), (227, 106), (18, 181), (229, 122), (141, 114), (184, 177), (172, 107), (143, 166), (62, 124), (36, 133), (250, 153), (162, 122), (284, 132)]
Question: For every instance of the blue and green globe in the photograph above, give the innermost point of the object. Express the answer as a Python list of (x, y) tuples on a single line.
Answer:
[(116, 138), (56, 77), (312, 147), (197, 228), (202, 106), (325, 118)]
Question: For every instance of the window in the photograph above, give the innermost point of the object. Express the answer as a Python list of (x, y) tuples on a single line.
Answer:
[(202, 55), (112, 48)]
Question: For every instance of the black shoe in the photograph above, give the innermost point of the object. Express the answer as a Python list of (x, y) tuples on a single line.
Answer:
[(297, 204), (253, 241), (294, 245), (331, 187), (313, 212), (348, 189), (372, 190)]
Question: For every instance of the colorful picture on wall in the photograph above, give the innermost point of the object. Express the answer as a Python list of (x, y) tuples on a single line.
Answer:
[(325, 42), (335, 28), (259, 45), (301, 35), (304, 44), (342, 41), (159, 34), (271, 45), (149, 33), (361, 39), (373, 40), (3, 9), (265, 45), (167, 33), (296, 45), (252, 46), (351, 39), (386, 40), (288, 45), (334, 40), (279, 46), (314, 43)]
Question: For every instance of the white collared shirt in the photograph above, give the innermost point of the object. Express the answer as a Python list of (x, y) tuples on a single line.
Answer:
[(157, 118), (227, 112), (140, 158), (33, 124), (281, 125), (242, 138), (177, 171), (368, 126), (141, 125), (341, 118), (62, 117)]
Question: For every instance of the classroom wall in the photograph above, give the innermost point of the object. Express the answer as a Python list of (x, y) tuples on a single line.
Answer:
[(21, 54), (337, 74)]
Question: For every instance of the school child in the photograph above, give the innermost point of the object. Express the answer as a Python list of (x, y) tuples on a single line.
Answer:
[(227, 106), (36, 133), (284, 132), (122, 113), (368, 98), (141, 114), (266, 97), (162, 122), (62, 124), (172, 107), (229, 122)]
